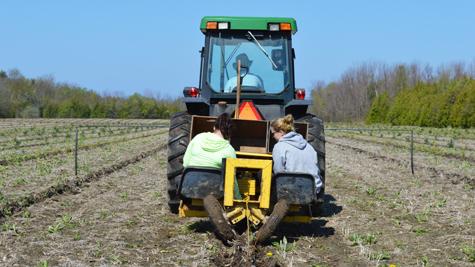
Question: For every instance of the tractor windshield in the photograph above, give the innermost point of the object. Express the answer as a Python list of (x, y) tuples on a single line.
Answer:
[(264, 62)]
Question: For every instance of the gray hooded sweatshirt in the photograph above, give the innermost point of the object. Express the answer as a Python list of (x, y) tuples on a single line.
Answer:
[(294, 154)]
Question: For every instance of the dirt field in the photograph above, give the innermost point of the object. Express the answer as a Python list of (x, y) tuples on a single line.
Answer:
[(115, 213)]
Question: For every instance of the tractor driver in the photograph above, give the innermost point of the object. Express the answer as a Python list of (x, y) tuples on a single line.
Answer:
[(250, 82)]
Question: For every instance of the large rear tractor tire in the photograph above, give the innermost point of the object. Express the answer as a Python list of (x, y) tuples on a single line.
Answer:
[(316, 137), (278, 213), (217, 218), (178, 139)]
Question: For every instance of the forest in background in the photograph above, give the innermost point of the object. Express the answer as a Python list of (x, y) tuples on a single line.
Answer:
[(21, 97), (400, 94)]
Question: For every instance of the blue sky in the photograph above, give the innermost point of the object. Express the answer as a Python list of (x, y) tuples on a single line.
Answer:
[(151, 47)]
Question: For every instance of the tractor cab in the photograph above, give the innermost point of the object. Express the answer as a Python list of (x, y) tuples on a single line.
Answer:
[(263, 47)]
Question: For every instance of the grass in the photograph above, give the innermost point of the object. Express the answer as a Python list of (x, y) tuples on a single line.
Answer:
[(43, 263), (469, 252), (358, 239), (115, 260), (19, 181), (371, 191), (124, 196), (380, 255), (440, 203), (10, 227), (77, 237), (98, 251), (131, 222), (157, 195), (283, 247), (420, 231), (425, 261), (422, 217), (66, 221), (26, 214)]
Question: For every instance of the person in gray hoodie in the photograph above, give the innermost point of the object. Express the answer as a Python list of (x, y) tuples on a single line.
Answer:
[(293, 153)]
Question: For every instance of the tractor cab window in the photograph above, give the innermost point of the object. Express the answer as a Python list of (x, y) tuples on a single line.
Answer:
[(263, 57)]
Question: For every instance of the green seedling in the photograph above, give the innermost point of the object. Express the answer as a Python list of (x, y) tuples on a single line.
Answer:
[(131, 222), (19, 181), (422, 217), (42, 263), (65, 221), (378, 256), (10, 227), (124, 196), (115, 260), (98, 251), (283, 246), (420, 231), (77, 236), (450, 144), (371, 191), (469, 251), (55, 228), (26, 214), (157, 195), (425, 261), (357, 239), (440, 203)]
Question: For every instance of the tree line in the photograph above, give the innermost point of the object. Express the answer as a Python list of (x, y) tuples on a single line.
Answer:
[(400, 94), (22, 97)]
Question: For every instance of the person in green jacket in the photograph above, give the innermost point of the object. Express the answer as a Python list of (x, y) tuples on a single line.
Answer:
[(209, 149)]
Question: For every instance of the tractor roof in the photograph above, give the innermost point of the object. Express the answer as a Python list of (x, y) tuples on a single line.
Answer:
[(248, 23)]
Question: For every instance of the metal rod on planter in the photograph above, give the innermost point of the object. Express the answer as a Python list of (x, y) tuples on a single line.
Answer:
[(238, 90), (412, 152), (76, 153)]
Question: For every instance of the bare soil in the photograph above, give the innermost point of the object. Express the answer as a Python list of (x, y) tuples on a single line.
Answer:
[(376, 213)]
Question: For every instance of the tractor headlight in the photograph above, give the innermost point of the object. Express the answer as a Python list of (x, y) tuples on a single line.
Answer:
[(274, 27), (223, 26)]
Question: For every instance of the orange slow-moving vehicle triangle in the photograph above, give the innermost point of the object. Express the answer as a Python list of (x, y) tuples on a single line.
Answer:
[(248, 111)]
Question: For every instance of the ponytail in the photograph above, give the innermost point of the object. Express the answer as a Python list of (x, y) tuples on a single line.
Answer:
[(285, 124)]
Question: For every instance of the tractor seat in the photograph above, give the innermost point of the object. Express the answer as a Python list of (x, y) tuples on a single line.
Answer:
[(297, 188), (198, 182)]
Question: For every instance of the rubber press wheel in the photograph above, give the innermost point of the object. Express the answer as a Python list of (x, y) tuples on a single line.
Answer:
[(280, 209), (217, 218)]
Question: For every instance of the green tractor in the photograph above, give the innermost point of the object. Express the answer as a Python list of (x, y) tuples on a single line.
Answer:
[(247, 70)]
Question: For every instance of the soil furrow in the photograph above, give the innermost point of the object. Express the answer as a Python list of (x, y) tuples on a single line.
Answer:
[(403, 218), (119, 219)]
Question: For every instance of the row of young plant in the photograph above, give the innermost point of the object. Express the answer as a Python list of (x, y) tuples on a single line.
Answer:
[(67, 135), (58, 126), (14, 157), (8, 124), (463, 153), (443, 142), (439, 133)]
